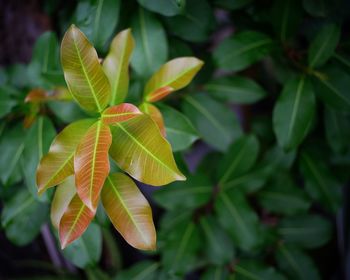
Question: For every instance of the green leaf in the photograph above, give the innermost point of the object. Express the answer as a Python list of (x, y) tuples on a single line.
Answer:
[(240, 157), (215, 273), (241, 50), (67, 112), (296, 264), (215, 122), (129, 211), (179, 130), (318, 8), (239, 90), (172, 76), (193, 24), (286, 17), (320, 183), (116, 65), (36, 144), (239, 219), (247, 269), (196, 191), (86, 251), (151, 48), (323, 45), (143, 270), (140, 150), (97, 19), (232, 5), (293, 113), (165, 8), (22, 217), (6, 102), (85, 78), (309, 231)]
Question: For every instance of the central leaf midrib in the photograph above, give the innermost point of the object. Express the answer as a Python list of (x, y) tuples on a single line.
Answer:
[(97, 136)]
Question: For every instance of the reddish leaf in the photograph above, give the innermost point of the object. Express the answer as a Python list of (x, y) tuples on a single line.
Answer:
[(40, 95), (160, 94), (120, 113)]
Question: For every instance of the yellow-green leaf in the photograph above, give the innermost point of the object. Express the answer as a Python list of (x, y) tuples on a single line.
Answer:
[(155, 114), (91, 164), (173, 75), (85, 78), (116, 65), (139, 149), (129, 211), (57, 164)]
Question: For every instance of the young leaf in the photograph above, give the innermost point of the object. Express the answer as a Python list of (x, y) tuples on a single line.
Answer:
[(85, 78), (293, 112), (63, 195), (116, 65), (239, 90), (140, 150), (155, 114), (57, 164), (172, 76), (74, 221), (243, 49), (91, 163), (323, 45), (119, 113), (129, 211)]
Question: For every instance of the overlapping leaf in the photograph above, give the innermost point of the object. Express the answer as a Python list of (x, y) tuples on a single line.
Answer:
[(119, 113), (155, 114)]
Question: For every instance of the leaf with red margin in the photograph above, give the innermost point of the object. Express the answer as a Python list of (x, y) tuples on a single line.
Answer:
[(74, 221), (155, 114), (119, 113), (129, 211), (91, 163), (57, 164)]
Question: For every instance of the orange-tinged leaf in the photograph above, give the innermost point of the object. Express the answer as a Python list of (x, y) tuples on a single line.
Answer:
[(63, 195), (57, 164), (116, 65), (120, 113), (91, 163), (74, 221), (129, 211), (155, 114), (85, 78), (140, 150), (40, 95), (172, 76)]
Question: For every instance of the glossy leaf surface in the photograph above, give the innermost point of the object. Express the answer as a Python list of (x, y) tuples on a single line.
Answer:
[(155, 114), (140, 150), (116, 65), (83, 73), (91, 163), (129, 211), (119, 113), (57, 164)]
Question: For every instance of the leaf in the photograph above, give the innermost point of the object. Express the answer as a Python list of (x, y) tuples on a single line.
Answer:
[(67, 112), (296, 264), (116, 65), (74, 221), (86, 251), (155, 114), (232, 5), (83, 73), (129, 211), (6, 102), (318, 8), (309, 231), (165, 8), (151, 49), (241, 50), (216, 272), (37, 142), (57, 164), (293, 112), (22, 217), (215, 122), (139, 149), (119, 113), (241, 222), (179, 130), (196, 191), (39, 95), (173, 75), (239, 158), (63, 195), (320, 183), (91, 163), (98, 19), (248, 269), (142, 270), (239, 90), (323, 45)]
